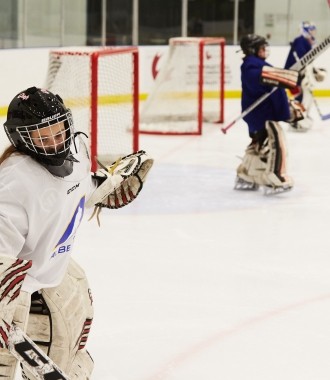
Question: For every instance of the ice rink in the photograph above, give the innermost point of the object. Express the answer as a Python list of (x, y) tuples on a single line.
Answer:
[(197, 281)]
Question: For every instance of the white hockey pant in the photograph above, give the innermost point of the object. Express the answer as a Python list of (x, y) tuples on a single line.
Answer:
[(265, 165), (307, 85)]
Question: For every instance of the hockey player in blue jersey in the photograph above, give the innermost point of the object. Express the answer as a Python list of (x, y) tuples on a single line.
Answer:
[(303, 91), (264, 163), (301, 44)]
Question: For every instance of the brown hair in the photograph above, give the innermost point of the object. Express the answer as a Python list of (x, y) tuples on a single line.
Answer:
[(8, 152)]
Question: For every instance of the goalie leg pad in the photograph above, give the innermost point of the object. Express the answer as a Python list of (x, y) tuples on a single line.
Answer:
[(63, 333), (249, 171), (8, 363), (307, 101), (275, 173), (82, 366), (14, 307), (264, 164), (12, 275)]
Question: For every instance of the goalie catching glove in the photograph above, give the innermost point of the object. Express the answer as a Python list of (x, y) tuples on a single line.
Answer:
[(121, 182), (319, 74)]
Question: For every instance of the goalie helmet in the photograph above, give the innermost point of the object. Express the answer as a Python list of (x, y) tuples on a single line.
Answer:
[(39, 124), (308, 29), (251, 43)]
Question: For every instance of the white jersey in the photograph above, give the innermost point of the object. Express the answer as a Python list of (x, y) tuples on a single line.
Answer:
[(40, 214)]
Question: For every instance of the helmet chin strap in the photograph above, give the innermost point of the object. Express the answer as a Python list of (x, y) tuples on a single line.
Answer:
[(60, 171)]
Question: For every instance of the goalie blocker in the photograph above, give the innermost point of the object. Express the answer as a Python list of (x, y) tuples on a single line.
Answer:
[(277, 77)]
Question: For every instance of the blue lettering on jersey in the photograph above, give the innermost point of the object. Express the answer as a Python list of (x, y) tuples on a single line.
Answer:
[(65, 242)]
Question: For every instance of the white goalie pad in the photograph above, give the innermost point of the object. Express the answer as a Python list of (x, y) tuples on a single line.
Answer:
[(265, 165), (251, 167), (63, 334), (14, 307), (12, 275), (276, 171)]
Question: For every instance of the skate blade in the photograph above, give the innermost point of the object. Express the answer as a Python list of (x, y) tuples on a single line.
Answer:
[(246, 188), (269, 190), (299, 130), (242, 185)]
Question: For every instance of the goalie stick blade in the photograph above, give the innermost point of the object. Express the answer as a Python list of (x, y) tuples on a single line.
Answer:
[(32, 357)]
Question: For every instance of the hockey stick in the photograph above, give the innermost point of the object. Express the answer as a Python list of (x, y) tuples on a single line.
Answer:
[(32, 357), (298, 66)]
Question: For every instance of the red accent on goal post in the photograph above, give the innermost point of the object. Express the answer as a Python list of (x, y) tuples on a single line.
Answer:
[(136, 101), (200, 87), (222, 81), (93, 115)]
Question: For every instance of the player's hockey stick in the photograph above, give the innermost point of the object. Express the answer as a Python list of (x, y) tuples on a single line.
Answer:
[(298, 66), (32, 357)]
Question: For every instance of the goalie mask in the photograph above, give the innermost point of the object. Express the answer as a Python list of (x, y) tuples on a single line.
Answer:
[(308, 30), (251, 43), (39, 124)]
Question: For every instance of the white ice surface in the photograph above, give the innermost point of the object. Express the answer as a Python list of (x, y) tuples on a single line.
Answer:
[(196, 281)]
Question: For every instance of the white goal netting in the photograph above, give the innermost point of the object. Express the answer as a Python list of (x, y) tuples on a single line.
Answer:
[(189, 88), (99, 86)]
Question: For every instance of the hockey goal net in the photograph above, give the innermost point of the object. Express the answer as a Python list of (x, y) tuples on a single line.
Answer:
[(188, 90), (100, 86)]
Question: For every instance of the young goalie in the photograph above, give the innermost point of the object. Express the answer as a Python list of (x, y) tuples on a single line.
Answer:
[(45, 186), (264, 162)]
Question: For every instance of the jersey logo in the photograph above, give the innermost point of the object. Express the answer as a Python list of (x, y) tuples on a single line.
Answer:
[(72, 188), (65, 242)]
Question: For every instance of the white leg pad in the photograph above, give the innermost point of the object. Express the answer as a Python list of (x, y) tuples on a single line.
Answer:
[(14, 307), (8, 363), (276, 171), (266, 165), (71, 314), (252, 166)]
